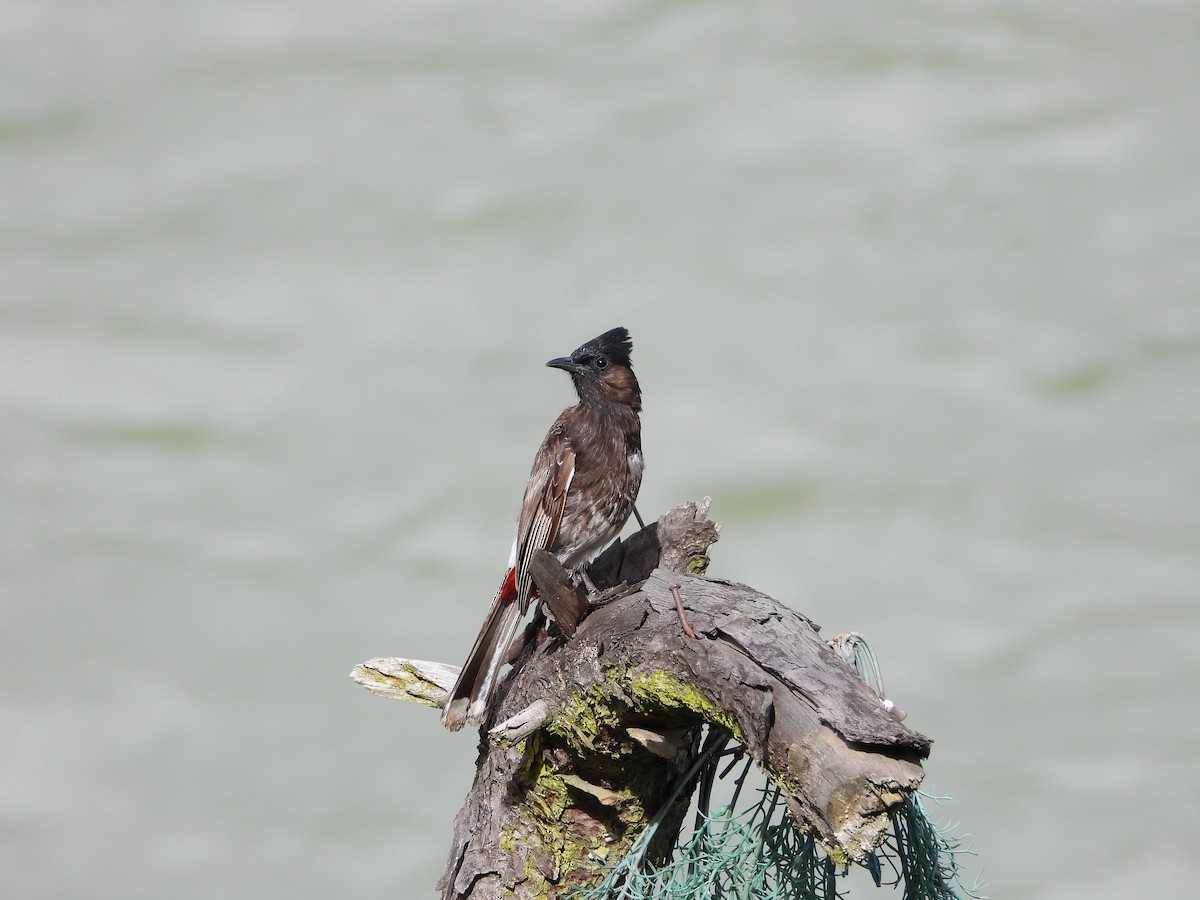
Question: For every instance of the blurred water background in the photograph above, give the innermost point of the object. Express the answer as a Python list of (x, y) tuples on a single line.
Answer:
[(913, 288)]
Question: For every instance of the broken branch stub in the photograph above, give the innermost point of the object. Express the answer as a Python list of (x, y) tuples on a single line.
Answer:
[(604, 724)]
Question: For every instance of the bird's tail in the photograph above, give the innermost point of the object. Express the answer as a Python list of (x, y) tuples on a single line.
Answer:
[(472, 693)]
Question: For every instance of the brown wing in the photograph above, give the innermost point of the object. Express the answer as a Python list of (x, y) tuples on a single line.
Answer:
[(542, 511)]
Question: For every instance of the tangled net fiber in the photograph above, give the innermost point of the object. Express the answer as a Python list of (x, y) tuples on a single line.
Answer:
[(753, 849)]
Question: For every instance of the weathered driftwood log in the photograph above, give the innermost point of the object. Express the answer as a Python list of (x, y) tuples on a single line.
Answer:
[(596, 730)]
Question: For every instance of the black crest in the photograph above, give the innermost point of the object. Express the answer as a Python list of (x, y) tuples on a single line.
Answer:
[(615, 345)]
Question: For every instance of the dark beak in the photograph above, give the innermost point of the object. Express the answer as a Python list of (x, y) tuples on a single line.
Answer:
[(565, 363)]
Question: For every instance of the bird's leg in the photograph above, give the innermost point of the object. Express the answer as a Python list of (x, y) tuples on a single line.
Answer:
[(587, 582)]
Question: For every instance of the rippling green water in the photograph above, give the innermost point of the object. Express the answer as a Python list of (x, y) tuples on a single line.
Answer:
[(914, 295)]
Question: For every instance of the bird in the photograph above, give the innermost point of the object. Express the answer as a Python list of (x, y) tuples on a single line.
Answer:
[(582, 487)]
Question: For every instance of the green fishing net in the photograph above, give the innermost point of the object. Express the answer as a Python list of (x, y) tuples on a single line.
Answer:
[(747, 846)]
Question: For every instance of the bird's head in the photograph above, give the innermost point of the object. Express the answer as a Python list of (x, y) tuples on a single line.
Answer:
[(602, 371)]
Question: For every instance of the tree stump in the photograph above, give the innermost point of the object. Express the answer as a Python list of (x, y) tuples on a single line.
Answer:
[(603, 713)]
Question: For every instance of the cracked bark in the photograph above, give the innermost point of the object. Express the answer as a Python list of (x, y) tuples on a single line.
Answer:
[(623, 705)]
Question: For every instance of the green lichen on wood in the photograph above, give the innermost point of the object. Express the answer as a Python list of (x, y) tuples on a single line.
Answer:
[(584, 718), (589, 789), (840, 858), (554, 849), (588, 715), (400, 679), (578, 817), (657, 691)]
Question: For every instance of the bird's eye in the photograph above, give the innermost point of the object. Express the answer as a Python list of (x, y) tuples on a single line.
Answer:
[(601, 363)]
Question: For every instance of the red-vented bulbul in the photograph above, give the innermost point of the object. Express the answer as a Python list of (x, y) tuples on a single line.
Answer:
[(584, 482)]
